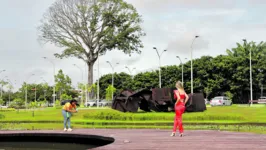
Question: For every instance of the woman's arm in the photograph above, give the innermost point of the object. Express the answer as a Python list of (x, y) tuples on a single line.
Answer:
[(69, 110), (186, 98)]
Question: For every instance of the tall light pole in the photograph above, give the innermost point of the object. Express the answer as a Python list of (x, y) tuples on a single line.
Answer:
[(54, 78), (10, 87), (191, 60), (2, 71), (98, 83), (182, 69), (250, 72), (2, 85), (113, 69), (159, 56), (86, 81), (130, 71), (82, 81), (44, 89), (26, 91)]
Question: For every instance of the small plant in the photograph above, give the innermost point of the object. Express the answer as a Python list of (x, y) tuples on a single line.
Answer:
[(57, 104), (2, 102), (109, 91), (65, 97)]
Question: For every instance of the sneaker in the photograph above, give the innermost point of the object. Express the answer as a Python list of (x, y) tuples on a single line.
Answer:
[(181, 135), (173, 134), (69, 130), (65, 129)]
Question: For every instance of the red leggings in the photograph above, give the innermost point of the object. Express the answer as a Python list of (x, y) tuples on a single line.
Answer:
[(179, 110)]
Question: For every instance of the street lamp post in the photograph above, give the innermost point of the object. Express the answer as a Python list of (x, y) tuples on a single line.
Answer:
[(98, 83), (81, 80), (2, 71), (159, 56), (112, 77), (192, 63), (44, 91), (54, 79), (86, 82), (10, 87), (182, 69), (250, 72), (130, 71), (2, 85), (26, 91)]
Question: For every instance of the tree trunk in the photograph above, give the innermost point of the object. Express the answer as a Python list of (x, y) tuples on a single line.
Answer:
[(90, 77)]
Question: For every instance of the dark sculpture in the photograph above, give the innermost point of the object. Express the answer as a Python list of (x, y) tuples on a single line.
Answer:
[(158, 99)]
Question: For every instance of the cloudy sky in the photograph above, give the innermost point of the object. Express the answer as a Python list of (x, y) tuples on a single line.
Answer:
[(169, 24)]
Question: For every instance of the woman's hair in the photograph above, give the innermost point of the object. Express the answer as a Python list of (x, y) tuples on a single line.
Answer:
[(73, 101), (179, 85)]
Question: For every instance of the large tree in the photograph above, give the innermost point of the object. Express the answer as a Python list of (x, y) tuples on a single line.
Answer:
[(86, 29)]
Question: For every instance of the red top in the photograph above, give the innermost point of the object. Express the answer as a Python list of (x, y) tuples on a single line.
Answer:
[(182, 96)]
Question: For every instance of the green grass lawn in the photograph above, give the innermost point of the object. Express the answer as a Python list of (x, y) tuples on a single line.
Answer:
[(235, 118)]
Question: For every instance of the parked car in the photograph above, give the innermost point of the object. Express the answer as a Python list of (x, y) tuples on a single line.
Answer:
[(221, 101), (104, 103), (262, 100), (90, 103), (206, 101), (3, 106)]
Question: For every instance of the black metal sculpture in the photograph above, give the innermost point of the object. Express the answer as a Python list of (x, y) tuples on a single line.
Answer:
[(157, 99)]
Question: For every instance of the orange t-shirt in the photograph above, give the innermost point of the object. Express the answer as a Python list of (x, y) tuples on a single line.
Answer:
[(69, 106)]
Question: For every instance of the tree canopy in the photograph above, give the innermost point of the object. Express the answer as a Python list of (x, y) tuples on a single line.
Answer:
[(87, 29)]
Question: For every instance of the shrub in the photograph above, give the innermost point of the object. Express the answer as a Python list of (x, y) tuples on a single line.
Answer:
[(2, 116), (58, 104), (2, 102), (65, 97), (153, 116), (17, 103)]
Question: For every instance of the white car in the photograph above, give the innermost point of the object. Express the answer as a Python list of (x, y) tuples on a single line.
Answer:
[(91, 103), (262, 100), (220, 101)]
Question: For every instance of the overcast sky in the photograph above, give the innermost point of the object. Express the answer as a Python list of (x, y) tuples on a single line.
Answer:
[(169, 24)]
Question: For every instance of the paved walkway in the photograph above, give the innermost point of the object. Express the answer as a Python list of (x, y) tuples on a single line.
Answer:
[(148, 139)]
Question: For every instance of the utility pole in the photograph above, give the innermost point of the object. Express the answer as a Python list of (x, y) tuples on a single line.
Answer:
[(182, 69), (54, 79), (2, 84), (98, 83), (113, 71), (130, 71), (82, 81), (191, 57), (26, 92), (159, 56)]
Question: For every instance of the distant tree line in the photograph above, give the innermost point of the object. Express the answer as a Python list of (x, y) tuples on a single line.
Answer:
[(223, 75)]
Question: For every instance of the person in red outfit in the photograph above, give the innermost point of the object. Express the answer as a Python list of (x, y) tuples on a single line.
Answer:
[(181, 99)]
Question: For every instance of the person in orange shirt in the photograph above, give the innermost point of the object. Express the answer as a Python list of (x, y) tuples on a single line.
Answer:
[(67, 110)]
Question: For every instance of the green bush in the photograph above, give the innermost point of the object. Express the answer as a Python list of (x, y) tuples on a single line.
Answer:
[(7, 109), (2, 116), (65, 97), (58, 104), (1, 102), (17, 103), (202, 116)]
